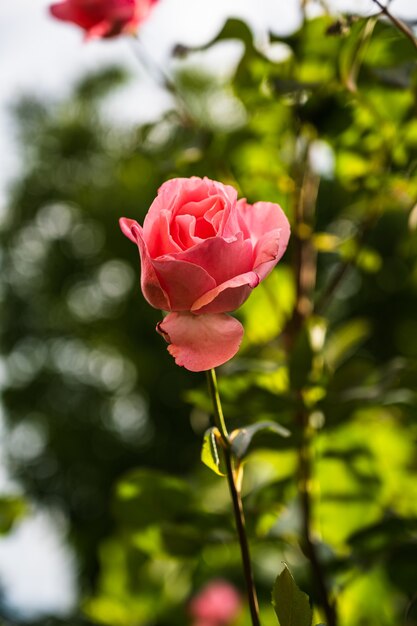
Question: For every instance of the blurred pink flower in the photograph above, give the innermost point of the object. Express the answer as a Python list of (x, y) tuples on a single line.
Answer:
[(216, 604), (202, 252), (103, 18)]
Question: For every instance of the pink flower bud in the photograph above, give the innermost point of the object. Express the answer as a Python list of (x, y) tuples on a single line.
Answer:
[(202, 252)]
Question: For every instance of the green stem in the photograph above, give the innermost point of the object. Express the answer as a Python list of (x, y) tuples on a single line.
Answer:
[(217, 405), (234, 488)]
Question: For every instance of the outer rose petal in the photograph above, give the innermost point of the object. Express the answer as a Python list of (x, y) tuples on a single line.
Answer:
[(63, 11), (228, 296), (182, 282), (269, 229), (261, 218), (150, 284), (201, 342), (126, 227), (268, 252)]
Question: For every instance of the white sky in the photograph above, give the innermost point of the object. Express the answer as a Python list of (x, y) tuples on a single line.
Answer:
[(44, 57)]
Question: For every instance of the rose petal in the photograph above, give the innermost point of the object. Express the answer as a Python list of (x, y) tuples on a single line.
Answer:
[(183, 229), (183, 282), (268, 251), (261, 218), (198, 208), (228, 296), (126, 227), (221, 259), (63, 11), (269, 229), (201, 342), (150, 285), (102, 29), (158, 235)]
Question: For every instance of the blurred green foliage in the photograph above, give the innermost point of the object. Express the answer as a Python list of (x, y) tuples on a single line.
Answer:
[(105, 427)]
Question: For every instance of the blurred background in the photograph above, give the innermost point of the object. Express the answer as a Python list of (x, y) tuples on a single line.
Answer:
[(106, 513)]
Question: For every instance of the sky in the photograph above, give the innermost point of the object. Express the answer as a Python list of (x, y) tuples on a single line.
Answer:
[(43, 57)]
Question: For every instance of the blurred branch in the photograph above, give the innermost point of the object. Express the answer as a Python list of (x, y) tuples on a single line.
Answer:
[(305, 261), (303, 250), (305, 468), (406, 30)]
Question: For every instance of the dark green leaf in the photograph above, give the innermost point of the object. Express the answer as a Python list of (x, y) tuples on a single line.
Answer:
[(255, 437), (291, 605)]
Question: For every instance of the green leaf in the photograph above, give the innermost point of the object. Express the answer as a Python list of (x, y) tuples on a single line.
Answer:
[(291, 605), (212, 453), (250, 438)]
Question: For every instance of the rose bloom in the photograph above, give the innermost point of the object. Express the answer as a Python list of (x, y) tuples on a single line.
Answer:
[(103, 18), (217, 604), (202, 252)]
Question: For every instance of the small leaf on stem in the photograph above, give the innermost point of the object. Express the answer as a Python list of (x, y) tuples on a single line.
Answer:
[(291, 605), (211, 452)]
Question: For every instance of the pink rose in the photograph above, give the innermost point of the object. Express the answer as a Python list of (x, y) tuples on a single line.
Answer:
[(103, 18), (217, 604), (202, 252)]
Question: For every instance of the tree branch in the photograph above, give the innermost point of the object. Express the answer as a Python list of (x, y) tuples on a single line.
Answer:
[(397, 23)]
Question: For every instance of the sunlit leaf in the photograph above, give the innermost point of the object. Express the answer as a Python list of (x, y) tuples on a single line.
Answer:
[(212, 453)]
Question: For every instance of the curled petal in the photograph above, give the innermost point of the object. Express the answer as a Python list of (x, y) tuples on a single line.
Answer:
[(183, 282), (268, 252), (126, 226), (201, 342), (227, 296), (151, 287), (266, 224)]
